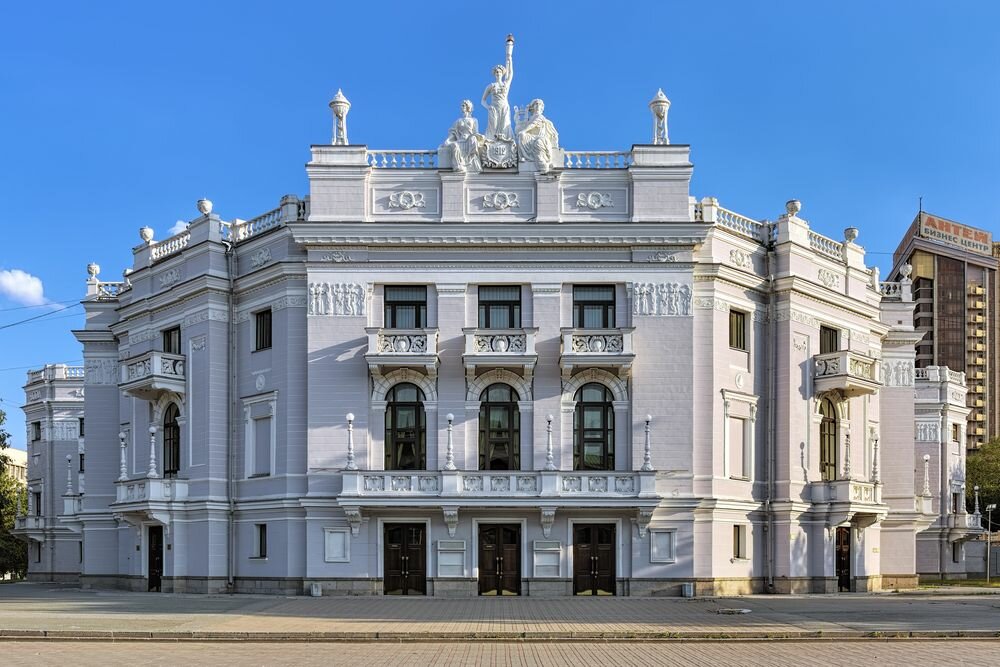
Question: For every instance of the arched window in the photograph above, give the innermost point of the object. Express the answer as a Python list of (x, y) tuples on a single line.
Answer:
[(828, 441), (594, 428), (405, 434), (171, 441), (499, 429)]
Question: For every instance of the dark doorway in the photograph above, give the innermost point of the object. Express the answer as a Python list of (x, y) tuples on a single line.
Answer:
[(499, 559), (405, 559), (843, 559), (594, 559), (155, 558)]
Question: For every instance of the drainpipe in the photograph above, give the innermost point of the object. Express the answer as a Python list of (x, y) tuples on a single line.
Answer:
[(231, 416), (771, 418)]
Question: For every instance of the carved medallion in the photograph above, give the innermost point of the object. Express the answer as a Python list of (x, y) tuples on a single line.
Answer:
[(499, 154), (501, 200), (406, 200)]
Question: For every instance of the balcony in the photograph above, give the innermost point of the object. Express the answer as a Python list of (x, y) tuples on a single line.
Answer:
[(149, 375), (148, 498), (850, 500), (500, 348), (389, 349), (850, 373), (596, 348), (28, 524)]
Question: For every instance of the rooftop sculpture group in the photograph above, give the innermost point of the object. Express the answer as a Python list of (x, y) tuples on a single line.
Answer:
[(533, 141)]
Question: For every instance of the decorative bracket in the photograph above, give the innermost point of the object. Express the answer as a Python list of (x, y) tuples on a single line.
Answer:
[(451, 519), (354, 519), (548, 518), (643, 517)]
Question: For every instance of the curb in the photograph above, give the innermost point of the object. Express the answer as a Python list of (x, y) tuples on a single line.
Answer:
[(475, 637)]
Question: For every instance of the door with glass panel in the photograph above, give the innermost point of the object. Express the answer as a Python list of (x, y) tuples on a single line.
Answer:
[(594, 428), (499, 429), (405, 433)]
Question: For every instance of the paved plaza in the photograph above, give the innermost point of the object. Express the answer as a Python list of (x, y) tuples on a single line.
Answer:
[(40, 610), (620, 654)]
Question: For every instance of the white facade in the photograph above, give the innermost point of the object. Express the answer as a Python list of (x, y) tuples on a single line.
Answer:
[(53, 411), (749, 388)]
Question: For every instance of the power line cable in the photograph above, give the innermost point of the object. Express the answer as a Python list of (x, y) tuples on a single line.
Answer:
[(36, 317), (40, 305)]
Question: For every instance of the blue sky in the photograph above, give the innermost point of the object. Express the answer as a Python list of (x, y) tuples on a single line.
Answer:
[(115, 115)]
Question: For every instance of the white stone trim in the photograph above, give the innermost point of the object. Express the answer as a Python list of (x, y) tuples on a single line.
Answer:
[(618, 386), (502, 376), (381, 384)]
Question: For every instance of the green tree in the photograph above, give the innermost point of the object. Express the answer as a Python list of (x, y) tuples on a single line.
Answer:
[(13, 552), (982, 468)]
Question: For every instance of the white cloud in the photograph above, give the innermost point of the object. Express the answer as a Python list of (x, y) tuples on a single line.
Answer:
[(22, 287), (178, 227)]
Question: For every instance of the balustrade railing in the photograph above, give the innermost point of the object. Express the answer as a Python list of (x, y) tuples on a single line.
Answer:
[(741, 224), (826, 246), (597, 159), (384, 159), (499, 342), (402, 342), (597, 341), (109, 291), (170, 246), (153, 363), (891, 290)]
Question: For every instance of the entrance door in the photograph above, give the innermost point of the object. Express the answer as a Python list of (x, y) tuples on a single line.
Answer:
[(499, 559), (405, 559), (155, 556), (594, 559), (843, 559)]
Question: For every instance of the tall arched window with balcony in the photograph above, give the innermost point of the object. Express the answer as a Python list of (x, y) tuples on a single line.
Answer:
[(594, 428), (405, 430), (499, 429), (171, 441), (828, 437)]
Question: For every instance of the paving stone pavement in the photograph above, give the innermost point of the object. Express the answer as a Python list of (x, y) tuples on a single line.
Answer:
[(55, 610), (620, 654)]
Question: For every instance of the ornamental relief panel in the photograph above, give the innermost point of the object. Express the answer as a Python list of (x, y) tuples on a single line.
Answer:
[(594, 200), (830, 279), (260, 258), (661, 299), (501, 200), (897, 373), (407, 199), (337, 299), (927, 432), (101, 371), (418, 199), (741, 259)]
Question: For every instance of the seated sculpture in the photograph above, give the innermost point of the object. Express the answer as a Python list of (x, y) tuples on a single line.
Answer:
[(537, 137), (464, 141)]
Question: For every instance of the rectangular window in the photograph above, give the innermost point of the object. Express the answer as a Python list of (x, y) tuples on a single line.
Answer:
[(956, 552), (739, 459), (955, 498), (81, 462), (172, 340), (261, 447), (661, 546), (739, 542), (956, 433), (260, 540), (829, 340), (80, 550), (36, 431), (738, 330), (499, 307), (594, 306), (38, 503), (81, 427), (263, 330), (406, 307), (38, 552)]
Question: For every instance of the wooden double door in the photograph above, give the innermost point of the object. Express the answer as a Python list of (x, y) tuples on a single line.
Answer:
[(404, 564), (594, 559), (499, 559), (843, 559)]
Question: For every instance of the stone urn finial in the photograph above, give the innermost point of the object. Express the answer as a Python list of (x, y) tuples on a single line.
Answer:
[(205, 206), (851, 234), (92, 270), (146, 234), (793, 206), (340, 106), (906, 270), (660, 105)]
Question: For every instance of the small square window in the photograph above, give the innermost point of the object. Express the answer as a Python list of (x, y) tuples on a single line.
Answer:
[(260, 540), (661, 546), (36, 431), (739, 542), (738, 330), (172, 340), (263, 330), (829, 340)]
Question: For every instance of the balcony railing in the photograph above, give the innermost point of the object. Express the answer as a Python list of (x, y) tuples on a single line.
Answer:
[(851, 491), (27, 523), (610, 348), (852, 373), (965, 521), (502, 348), (489, 487), (826, 246), (171, 246), (597, 159), (394, 348), (147, 490), (149, 374)]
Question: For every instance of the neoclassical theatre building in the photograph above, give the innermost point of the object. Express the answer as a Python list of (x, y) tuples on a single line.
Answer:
[(501, 367)]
